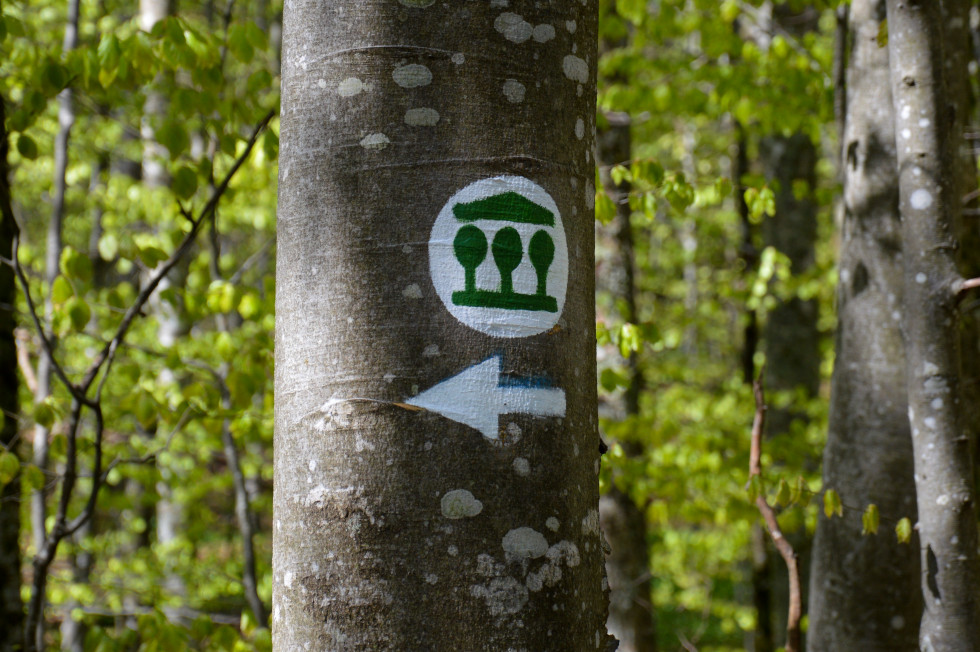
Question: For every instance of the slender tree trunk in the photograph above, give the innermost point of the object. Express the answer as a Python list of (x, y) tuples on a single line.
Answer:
[(66, 120), (397, 525), (944, 469), (865, 595), (791, 338), (11, 607), (631, 619)]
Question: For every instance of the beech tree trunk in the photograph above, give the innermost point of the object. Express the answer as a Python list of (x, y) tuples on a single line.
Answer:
[(631, 619), (422, 501), (944, 470), (865, 591), (11, 607)]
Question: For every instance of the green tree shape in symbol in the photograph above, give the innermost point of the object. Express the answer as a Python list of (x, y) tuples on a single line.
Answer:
[(507, 254), (542, 254), (470, 247)]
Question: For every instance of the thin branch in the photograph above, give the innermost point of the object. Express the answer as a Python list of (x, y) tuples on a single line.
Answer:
[(967, 285), (182, 249), (24, 359), (782, 545)]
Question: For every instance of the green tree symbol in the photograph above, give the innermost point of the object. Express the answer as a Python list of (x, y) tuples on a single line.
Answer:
[(470, 247), (542, 253), (507, 254)]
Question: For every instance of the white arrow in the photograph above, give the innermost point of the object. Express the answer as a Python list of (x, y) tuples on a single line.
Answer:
[(474, 397)]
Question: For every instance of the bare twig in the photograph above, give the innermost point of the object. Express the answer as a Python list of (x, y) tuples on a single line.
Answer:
[(968, 285), (24, 359), (782, 545)]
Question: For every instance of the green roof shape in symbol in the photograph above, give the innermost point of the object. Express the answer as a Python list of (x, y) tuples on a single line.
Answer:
[(470, 247)]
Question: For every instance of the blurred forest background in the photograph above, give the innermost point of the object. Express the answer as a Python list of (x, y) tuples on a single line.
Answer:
[(142, 172)]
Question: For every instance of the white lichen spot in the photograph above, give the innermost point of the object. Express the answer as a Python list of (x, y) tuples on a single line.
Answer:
[(413, 291), (937, 404), (312, 465), (928, 369), (412, 75), (921, 199), (930, 423), (575, 68), (502, 595), (389, 377), (524, 543), (496, 4), (906, 112), (543, 33), (917, 171), (513, 432), (422, 117), (407, 249), (943, 500), (431, 578), (352, 86), (460, 503), (897, 622), (459, 58), (906, 133), (431, 351), (452, 551), (590, 523), (322, 83), (571, 26), (287, 579), (924, 122), (589, 195), (552, 524), (375, 141), (521, 467), (514, 91), (513, 27), (417, 4), (580, 129)]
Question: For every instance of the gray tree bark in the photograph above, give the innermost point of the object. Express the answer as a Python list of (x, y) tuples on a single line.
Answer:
[(865, 591), (397, 528), (944, 470), (631, 619), (11, 607)]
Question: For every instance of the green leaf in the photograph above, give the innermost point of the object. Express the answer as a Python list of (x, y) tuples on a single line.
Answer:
[(184, 182), (173, 136), (109, 54), (26, 147), (76, 266), (239, 44), (870, 520), (904, 530), (783, 494), (78, 312), (44, 414), (605, 209), (619, 174), (9, 466), (832, 504), (61, 290), (882, 37), (629, 339), (33, 477), (108, 246)]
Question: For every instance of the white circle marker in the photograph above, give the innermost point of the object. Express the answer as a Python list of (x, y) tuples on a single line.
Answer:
[(499, 259)]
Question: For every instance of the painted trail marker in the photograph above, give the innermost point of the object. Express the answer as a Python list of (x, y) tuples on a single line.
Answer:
[(475, 397), (518, 290)]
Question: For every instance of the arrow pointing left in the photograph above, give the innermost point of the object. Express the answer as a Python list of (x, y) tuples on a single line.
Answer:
[(475, 397)]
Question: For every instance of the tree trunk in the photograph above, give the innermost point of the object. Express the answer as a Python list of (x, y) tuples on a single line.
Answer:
[(865, 595), (792, 341), (944, 470), (11, 607), (631, 619), (411, 132)]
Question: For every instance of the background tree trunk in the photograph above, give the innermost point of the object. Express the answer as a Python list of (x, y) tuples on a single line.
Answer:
[(631, 613), (397, 528), (11, 607), (940, 436), (865, 592)]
